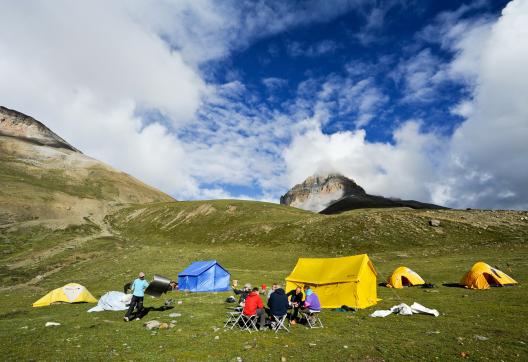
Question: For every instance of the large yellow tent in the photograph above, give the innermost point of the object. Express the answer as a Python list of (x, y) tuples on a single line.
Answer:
[(404, 276), (349, 280), (481, 276), (70, 293)]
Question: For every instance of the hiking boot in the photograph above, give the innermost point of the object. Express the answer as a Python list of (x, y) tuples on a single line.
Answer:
[(126, 319)]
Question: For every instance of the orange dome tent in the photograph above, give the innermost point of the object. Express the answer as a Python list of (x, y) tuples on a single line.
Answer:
[(481, 276), (403, 277)]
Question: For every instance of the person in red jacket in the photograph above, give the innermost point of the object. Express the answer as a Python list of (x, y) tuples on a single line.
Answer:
[(253, 305)]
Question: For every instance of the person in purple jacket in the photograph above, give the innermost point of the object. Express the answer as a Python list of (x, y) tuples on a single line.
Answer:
[(311, 303)]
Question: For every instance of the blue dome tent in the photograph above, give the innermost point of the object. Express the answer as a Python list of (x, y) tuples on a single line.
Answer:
[(204, 276)]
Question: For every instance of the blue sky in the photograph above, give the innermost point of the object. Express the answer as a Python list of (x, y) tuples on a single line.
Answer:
[(244, 99)]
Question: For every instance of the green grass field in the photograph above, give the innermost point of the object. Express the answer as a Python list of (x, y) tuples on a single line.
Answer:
[(260, 243)]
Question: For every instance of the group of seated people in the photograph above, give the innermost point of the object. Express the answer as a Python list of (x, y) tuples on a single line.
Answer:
[(279, 303)]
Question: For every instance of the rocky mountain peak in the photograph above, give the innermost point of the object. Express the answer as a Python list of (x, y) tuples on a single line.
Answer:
[(20, 126), (318, 191)]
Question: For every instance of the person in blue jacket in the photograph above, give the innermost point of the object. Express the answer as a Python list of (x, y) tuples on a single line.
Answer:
[(138, 293)]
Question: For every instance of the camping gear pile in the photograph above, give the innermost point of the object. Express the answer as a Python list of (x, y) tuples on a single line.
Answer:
[(404, 309)]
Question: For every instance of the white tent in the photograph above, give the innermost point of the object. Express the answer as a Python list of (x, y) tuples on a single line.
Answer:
[(112, 301)]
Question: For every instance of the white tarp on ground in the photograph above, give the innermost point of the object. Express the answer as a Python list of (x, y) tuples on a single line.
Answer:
[(112, 301), (404, 309)]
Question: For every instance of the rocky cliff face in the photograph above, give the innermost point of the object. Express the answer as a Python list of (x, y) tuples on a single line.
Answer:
[(17, 125), (336, 193), (317, 192)]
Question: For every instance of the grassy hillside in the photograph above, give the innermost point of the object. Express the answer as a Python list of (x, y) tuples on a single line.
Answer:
[(260, 243), (43, 184)]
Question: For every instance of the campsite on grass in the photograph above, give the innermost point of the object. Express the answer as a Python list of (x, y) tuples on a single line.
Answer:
[(190, 324), (264, 180)]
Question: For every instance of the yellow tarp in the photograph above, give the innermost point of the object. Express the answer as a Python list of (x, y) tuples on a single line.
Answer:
[(70, 293), (349, 280), (404, 276), (482, 275)]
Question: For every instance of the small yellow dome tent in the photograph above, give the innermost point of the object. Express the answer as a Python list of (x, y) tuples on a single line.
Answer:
[(349, 280), (403, 277), (70, 293), (481, 276)]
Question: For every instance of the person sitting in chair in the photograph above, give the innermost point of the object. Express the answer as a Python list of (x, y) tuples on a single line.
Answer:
[(296, 301), (278, 303), (311, 303), (253, 306)]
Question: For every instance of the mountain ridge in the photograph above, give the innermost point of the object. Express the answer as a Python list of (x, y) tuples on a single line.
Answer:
[(46, 180), (335, 193)]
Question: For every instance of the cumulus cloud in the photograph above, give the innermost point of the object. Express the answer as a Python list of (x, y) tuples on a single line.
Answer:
[(402, 169), (490, 147), (483, 164), (92, 71)]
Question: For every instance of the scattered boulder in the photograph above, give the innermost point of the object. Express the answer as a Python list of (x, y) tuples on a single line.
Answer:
[(434, 223), (164, 326), (52, 324), (175, 315), (481, 338), (154, 324)]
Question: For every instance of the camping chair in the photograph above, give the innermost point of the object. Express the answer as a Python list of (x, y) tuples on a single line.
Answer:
[(312, 317), (248, 322), (232, 318), (279, 323)]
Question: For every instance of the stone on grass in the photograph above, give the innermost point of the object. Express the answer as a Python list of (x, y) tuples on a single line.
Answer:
[(217, 337), (163, 326), (175, 315), (154, 324), (52, 324), (481, 338), (434, 222)]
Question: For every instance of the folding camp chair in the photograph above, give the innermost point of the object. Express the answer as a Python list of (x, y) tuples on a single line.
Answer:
[(279, 323), (313, 319), (248, 322), (232, 318)]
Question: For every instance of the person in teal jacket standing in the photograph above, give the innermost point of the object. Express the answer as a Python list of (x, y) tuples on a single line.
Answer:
[(138, 293)]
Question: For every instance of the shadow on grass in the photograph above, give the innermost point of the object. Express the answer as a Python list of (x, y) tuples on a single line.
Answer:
[(147, 310), (453, 285)]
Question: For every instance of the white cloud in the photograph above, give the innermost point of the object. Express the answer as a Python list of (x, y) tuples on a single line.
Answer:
[(483, 164), (399, 170), (491, 146), (420, 75), (85, 69)]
